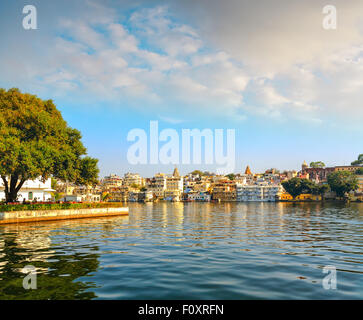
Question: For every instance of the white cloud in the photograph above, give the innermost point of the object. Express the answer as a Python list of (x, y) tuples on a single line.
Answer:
[(312, 71), (236, 59), (107, 61)]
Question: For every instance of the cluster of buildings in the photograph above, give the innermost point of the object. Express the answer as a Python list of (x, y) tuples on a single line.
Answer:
[(195, 186), (210, 187)]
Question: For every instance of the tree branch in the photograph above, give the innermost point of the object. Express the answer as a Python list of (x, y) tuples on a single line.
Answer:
[(20, 185), (5, 183)]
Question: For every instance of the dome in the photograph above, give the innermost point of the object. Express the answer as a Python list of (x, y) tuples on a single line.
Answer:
[(304, 165)]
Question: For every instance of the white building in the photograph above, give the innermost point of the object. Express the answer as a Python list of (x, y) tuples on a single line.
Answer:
[(112, 181), (133, 179), (258, 192), (174, 187), (32, 190)]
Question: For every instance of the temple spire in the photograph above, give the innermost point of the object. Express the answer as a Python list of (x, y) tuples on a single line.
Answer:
[(176, 172), (248, 170)]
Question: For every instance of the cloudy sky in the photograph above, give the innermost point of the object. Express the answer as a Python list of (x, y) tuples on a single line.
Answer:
[(268, 69)]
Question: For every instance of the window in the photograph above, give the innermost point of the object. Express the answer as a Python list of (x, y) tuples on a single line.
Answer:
[(30, 196)]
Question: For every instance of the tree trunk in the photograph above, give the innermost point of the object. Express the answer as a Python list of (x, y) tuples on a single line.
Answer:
[(11, 192)]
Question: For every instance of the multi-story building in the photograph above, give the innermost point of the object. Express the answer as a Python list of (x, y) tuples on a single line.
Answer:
[(317, 174), (258, 192), (157, 185), (118, 194), (133, 179), (224, 191), (190, 180), (72, 192), (241, 179), (111, 181), (321, 174), (202, 186), (286, 175), (218, 178), (347, 168), (174, 187), (65, 188)]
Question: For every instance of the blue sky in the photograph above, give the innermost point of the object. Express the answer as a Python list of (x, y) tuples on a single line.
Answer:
[(290, 89)]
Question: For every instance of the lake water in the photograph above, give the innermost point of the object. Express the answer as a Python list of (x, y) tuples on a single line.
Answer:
[(190, 251)]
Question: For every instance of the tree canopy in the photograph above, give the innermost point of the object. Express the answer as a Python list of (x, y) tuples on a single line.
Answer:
[(359, 161), (317, 164), (342, 182), (197, 172), (231, 176), (35, 141), (296, 186), (319, 189)]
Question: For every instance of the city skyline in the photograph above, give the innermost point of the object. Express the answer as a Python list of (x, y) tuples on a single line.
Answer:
[(112, 67)]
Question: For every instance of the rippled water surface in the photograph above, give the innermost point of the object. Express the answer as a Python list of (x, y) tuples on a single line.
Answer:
[(190, 251)]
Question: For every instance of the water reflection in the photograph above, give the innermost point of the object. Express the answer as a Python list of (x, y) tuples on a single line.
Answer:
[(189, 250), (58, 263)]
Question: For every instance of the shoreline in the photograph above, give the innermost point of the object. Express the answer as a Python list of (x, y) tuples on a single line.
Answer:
[(61, 214), (235, 201)]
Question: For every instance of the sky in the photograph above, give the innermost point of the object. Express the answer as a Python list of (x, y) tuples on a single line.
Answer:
[(290, 89)]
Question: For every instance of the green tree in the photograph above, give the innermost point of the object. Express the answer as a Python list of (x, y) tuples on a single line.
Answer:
[(359, 161), (105, 196), (319, 189), (55, 194), (296, 186), (317, 164), (359, 171), (342, 182), (35, 141), (231, 176)]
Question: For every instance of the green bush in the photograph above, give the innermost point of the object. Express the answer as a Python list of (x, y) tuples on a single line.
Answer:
[(56, 206)]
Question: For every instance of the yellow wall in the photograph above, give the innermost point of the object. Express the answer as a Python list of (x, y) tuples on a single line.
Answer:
[(301, 197)]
